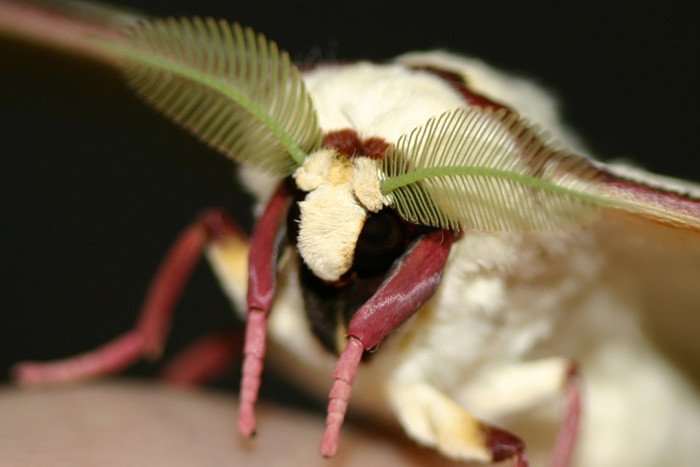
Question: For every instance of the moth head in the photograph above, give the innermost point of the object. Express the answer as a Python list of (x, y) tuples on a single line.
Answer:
[(341, 192)]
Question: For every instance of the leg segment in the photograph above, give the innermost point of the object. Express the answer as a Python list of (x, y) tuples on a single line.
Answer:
[(408, 286), (512, 388), (262, 273), (563, 452), (339, 397), (432, 418), (109, 358), (149, 335), (205, 359)]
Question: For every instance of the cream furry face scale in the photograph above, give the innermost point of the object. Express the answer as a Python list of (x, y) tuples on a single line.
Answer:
[(431, 237)]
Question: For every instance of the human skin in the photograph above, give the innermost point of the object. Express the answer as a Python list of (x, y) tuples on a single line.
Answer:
[(138, 423)]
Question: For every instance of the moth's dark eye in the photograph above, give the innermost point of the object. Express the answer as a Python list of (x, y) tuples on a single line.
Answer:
[(381, 241)]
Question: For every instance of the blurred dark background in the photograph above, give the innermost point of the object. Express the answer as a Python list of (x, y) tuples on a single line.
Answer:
[(95, 185)]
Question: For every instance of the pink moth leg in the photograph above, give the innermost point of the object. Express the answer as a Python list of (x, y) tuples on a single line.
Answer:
[(205, 359), (147, 338), (410, 284), (565, 443), (262, 264)]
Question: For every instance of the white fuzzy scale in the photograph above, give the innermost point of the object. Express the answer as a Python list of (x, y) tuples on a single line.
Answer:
[(341, 194)]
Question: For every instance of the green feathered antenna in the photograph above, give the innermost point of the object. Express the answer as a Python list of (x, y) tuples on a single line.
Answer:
[(484, 170), (230, 87)]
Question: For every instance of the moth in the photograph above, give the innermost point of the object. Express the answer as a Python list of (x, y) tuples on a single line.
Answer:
[(422, 240)]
